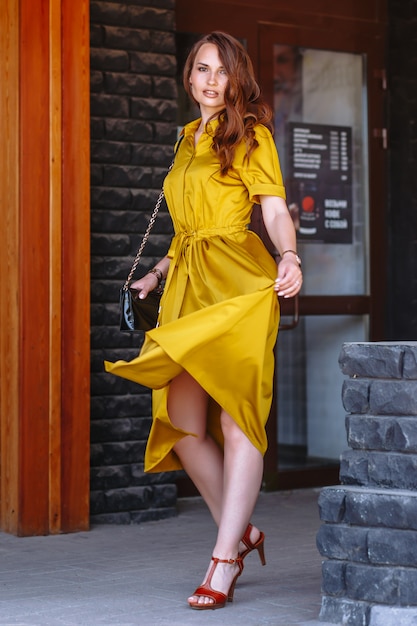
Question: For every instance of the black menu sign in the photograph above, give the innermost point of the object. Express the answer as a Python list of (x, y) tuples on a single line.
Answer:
[(319, 186)]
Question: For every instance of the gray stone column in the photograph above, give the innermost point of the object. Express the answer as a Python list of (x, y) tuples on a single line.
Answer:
[(369, 531)]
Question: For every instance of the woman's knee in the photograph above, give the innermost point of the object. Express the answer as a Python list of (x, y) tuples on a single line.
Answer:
[(187, 404), (230, 429)]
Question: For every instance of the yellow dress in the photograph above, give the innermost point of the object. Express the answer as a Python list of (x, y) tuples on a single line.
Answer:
[(219, 312)]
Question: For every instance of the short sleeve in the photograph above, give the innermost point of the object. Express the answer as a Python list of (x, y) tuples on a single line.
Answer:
[(262, 174)]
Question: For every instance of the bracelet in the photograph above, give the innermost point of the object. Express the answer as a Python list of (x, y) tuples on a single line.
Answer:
[(297, 258), (158, 274)]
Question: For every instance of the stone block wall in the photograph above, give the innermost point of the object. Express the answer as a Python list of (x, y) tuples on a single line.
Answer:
[(133, 130), (369, 531)]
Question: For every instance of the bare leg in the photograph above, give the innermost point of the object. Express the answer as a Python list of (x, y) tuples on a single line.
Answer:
[(230, 484), (243, 467), (200, 456)]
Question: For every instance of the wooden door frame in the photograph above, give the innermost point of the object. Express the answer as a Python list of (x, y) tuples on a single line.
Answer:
[(358, 41), (356, 23), (44, 266)]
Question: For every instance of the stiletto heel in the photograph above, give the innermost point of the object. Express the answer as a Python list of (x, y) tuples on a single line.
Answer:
[(259, 545), (207, 591)]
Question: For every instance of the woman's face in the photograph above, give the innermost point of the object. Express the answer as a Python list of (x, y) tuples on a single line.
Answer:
[(208, 80)]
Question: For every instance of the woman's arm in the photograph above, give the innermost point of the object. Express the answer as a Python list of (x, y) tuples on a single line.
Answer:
[(151, 280), (280, 228)]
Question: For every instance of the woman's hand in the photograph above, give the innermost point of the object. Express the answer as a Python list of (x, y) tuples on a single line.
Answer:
[(144, 285), (289, 280), (152, 279), (281, 231)]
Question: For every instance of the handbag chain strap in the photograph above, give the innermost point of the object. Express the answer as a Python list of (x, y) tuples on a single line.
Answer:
[(144, 240), (149, 227)]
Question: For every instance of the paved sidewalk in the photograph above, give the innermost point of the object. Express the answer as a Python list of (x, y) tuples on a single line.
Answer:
[(142, 575)]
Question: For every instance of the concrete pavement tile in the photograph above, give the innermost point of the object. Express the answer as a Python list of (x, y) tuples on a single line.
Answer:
[(142, 575)]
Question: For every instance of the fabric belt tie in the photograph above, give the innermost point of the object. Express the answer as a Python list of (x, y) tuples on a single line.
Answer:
[(207, 233)]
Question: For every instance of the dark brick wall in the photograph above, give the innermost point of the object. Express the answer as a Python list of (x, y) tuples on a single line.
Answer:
[(369, 531), (133, 129), (402, 123)]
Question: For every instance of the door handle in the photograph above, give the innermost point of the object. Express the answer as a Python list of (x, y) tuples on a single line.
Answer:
[(294, 313)]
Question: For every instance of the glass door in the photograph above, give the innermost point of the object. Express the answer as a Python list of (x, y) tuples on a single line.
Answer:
[(321, 132)]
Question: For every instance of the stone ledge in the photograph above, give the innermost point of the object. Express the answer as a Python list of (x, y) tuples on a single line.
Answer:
[(343, 611), (384, 359), (368, 546), (371, 507), (360, 584), (379, 469), (385, 433), (391, 616), (380, 397)]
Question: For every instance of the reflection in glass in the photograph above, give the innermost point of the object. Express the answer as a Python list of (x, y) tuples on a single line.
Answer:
[(323, 92), (321, 136)]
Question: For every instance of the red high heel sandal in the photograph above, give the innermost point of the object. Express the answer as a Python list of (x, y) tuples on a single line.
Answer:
[(259, 545), (207, 591)]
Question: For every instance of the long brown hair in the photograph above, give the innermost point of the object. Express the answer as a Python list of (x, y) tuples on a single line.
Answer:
[(244, 106)]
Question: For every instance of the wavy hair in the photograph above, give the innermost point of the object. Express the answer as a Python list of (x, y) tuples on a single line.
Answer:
[(244, 106)]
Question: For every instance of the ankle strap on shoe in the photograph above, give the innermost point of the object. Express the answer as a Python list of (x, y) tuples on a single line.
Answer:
[(238, 560)]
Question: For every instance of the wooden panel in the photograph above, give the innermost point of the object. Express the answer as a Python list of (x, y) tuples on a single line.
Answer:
[(55, 272), (44, 363), (9, 253), (34, 267), (76, 266)]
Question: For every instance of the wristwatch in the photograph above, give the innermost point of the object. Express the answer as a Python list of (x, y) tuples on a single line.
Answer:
[(158, 274), (297, 258)]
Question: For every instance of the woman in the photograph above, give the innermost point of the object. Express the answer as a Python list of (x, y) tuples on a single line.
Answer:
[(210, 361)]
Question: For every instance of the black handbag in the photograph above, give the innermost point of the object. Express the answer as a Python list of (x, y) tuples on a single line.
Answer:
[(137, 314)]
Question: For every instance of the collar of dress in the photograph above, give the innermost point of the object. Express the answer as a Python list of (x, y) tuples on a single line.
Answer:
[(191, 127)]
